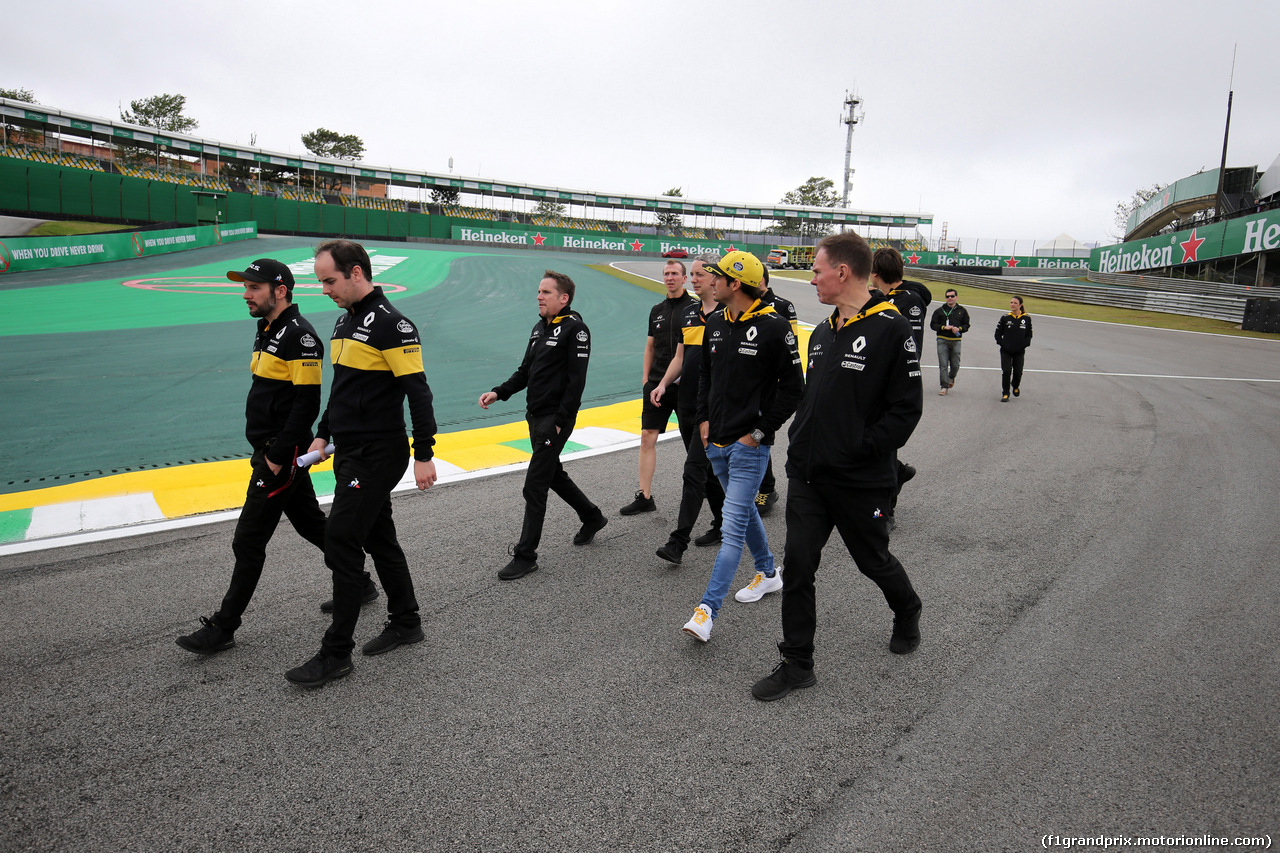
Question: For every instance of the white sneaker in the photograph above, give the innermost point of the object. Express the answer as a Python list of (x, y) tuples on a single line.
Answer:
[(699, 627), (760, 586)]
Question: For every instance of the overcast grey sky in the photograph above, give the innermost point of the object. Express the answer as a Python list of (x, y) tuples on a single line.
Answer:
[(1008, 119)]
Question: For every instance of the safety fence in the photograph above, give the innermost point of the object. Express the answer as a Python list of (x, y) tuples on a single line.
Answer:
[(1168, 296)]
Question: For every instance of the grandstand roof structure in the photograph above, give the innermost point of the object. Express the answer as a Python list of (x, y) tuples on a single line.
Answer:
[(111, 131)]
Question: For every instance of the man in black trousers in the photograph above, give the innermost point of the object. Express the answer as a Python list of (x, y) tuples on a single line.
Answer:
[(284, 399), (554, 372), (377, 365)]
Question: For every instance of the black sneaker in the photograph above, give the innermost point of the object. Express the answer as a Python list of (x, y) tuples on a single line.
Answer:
[(1004, 398), (589, 529), (639, 505), (321, 669), (908, 472), (711, 537), (370, 596), (906, 633), (1017, 391), (672, 552), (765, 502), (785, 677), (392, 638), (517, 568), (209, 639)]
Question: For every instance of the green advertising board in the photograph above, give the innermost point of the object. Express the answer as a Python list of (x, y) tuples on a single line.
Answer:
[(22, 254), (1245, 235), (1022, 262), (621, 243)]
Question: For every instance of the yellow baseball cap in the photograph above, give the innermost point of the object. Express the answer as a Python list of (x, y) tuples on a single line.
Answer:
[(743, 266)]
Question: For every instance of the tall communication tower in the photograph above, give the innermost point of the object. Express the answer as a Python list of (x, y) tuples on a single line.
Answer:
[(853, 115)]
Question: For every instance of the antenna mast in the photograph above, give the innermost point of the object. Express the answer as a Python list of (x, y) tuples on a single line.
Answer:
[(854, 115)]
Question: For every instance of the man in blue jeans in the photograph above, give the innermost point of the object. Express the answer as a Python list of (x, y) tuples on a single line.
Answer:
[(749, 384)]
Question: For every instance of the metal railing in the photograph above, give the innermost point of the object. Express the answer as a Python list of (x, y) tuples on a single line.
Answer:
[(1168, 296)]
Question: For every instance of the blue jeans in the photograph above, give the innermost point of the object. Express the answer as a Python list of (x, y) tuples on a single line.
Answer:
[(948, 361), (739, 468)]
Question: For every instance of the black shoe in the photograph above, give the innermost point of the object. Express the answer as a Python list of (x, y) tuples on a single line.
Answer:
[(1004, 398), (907, 473), (1017, 391), (392, 638), (517, 568), (209, 639), (765, 502), (370, 596), (589, 529), (639, 505), (906, 633), (711, 537), (321, 669), (785, 677), (671, 552)]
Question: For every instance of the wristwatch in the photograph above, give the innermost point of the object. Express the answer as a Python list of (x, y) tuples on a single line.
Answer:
[(757, 435)]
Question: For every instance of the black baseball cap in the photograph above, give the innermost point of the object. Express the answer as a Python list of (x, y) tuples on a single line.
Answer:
[(265, 270)]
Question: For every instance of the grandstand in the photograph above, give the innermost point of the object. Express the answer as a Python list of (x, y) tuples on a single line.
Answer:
[(54, 137)]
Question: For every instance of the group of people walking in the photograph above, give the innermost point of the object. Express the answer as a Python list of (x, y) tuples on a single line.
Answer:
[(724, 360)]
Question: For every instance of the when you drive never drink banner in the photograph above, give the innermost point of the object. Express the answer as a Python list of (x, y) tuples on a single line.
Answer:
[(22, 254)]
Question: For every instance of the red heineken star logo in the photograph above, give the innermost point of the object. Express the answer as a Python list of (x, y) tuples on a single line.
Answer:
[(1190, 247), (913, 258), (538, 239), (731, 249), (637, 246), (1012, 262)]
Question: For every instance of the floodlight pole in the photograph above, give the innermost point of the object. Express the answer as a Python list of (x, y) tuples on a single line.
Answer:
[(850, 119)]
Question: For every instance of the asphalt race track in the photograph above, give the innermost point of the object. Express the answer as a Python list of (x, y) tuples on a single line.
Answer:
[(1097, 560)]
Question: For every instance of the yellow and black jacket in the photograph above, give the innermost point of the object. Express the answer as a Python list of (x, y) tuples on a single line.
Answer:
[(554, 368), (862, 399), (377, 364), (284, 397), (1013, 332), (693, 324), (750, 375)]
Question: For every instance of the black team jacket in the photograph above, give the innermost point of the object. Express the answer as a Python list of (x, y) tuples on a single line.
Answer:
[(749, 374), (377, 364), (1013, 332), (911, 305), (862, 399), (284, 397), (554, 369)]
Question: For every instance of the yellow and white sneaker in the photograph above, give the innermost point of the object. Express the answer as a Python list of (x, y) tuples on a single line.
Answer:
[(699, 626), (760, 586)]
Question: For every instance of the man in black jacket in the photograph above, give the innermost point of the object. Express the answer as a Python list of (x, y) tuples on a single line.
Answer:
[(554, 371), (284, 399), (950, 320), (684, 371), (750, 381), (377, 365), (862, 401)]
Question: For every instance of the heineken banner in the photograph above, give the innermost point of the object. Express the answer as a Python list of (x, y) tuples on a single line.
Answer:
[(1022, 262), (1247, 235), (20, 254), (601, 242)]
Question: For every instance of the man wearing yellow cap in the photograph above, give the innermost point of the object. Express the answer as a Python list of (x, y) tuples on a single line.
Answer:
[(749, 384)]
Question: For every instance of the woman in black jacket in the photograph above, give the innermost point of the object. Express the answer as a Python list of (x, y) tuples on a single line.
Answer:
[(1013, 336)]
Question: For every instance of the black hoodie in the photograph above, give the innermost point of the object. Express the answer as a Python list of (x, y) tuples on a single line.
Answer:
[(862, 399), (554, 368)]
